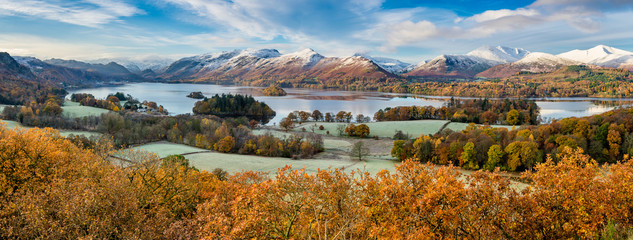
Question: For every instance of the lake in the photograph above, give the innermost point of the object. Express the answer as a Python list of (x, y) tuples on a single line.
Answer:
[(173, 98)]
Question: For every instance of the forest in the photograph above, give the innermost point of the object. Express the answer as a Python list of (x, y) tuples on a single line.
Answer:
[(229, 105), (51, 187)]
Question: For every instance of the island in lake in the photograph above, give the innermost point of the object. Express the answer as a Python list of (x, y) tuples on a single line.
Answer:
[(196, 95)]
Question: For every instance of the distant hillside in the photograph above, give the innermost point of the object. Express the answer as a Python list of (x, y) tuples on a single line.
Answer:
[(60, 74), (533, 63), (18, 85), (112, 70)]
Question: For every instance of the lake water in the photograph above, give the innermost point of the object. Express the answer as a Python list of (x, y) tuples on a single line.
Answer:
[(173, 98)]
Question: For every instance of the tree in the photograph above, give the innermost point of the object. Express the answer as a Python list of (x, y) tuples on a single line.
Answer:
[(340, 129), (317, 115), (304, 116), (468, 157), (361, 130), (328, 117), (286, 124), (513, 117), (359, 151), (225, 144), (495, 155)]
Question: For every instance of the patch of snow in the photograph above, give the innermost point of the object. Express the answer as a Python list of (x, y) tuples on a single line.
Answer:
[(389, 64), (499, 53), (546, 58), (600, 55)]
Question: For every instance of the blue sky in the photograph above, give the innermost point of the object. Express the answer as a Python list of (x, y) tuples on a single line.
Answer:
[(408, 30)]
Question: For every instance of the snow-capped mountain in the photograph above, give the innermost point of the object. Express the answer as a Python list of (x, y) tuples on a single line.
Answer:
[(452, 66), (200, 64), (499, 53), (601, 55), (536, 62), (469, 65), (391, 65), (139, 64), (269, 64)]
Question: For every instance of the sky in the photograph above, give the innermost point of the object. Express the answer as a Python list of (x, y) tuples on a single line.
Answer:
[(409, 30)]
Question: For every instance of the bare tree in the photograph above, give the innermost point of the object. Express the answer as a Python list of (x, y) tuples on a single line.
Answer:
[(359, 151)]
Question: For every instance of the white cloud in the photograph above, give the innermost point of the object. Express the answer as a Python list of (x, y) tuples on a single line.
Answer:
[(36, 46), (78, 13), (503, 13), (409, 32)]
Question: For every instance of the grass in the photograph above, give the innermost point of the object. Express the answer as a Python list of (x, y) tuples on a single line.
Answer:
[(238, 163), (383, 129), (74, 110), (458, 127), (164, 149)]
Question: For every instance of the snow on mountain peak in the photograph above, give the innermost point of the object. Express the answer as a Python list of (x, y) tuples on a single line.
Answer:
[(389, 64), (260, 53), (600, 55), (306, 56), (499, 53), (545, 58)]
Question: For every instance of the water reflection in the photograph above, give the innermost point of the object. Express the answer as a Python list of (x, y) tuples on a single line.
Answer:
[(173, 97)]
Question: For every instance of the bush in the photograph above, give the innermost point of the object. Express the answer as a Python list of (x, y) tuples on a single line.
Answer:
[(401, 136)]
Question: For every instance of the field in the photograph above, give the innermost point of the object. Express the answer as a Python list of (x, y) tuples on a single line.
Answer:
[(237, 163), (73, 110), (383, 129), (164, 149), (458, 127), (329, 143)]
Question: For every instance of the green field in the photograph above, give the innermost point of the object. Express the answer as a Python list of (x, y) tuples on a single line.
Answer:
[(74, 110), (458, 127), (383, 129), (277, 134), (237, 163), (164, 149)]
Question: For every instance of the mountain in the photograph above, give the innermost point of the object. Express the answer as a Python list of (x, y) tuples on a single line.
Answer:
[(391, 65), (60, 74), (499, 53), (201, 65), (260, 67), (9, 67), (603, 56), (469, 65), (138, 64), (536, 62), (452, 66), (111, 70)]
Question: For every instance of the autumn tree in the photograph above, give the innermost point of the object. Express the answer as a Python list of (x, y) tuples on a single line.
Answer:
[(513, 117)]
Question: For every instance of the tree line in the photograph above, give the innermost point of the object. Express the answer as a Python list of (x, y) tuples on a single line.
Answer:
[(480, 111), (605, 137), (51, 187)]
